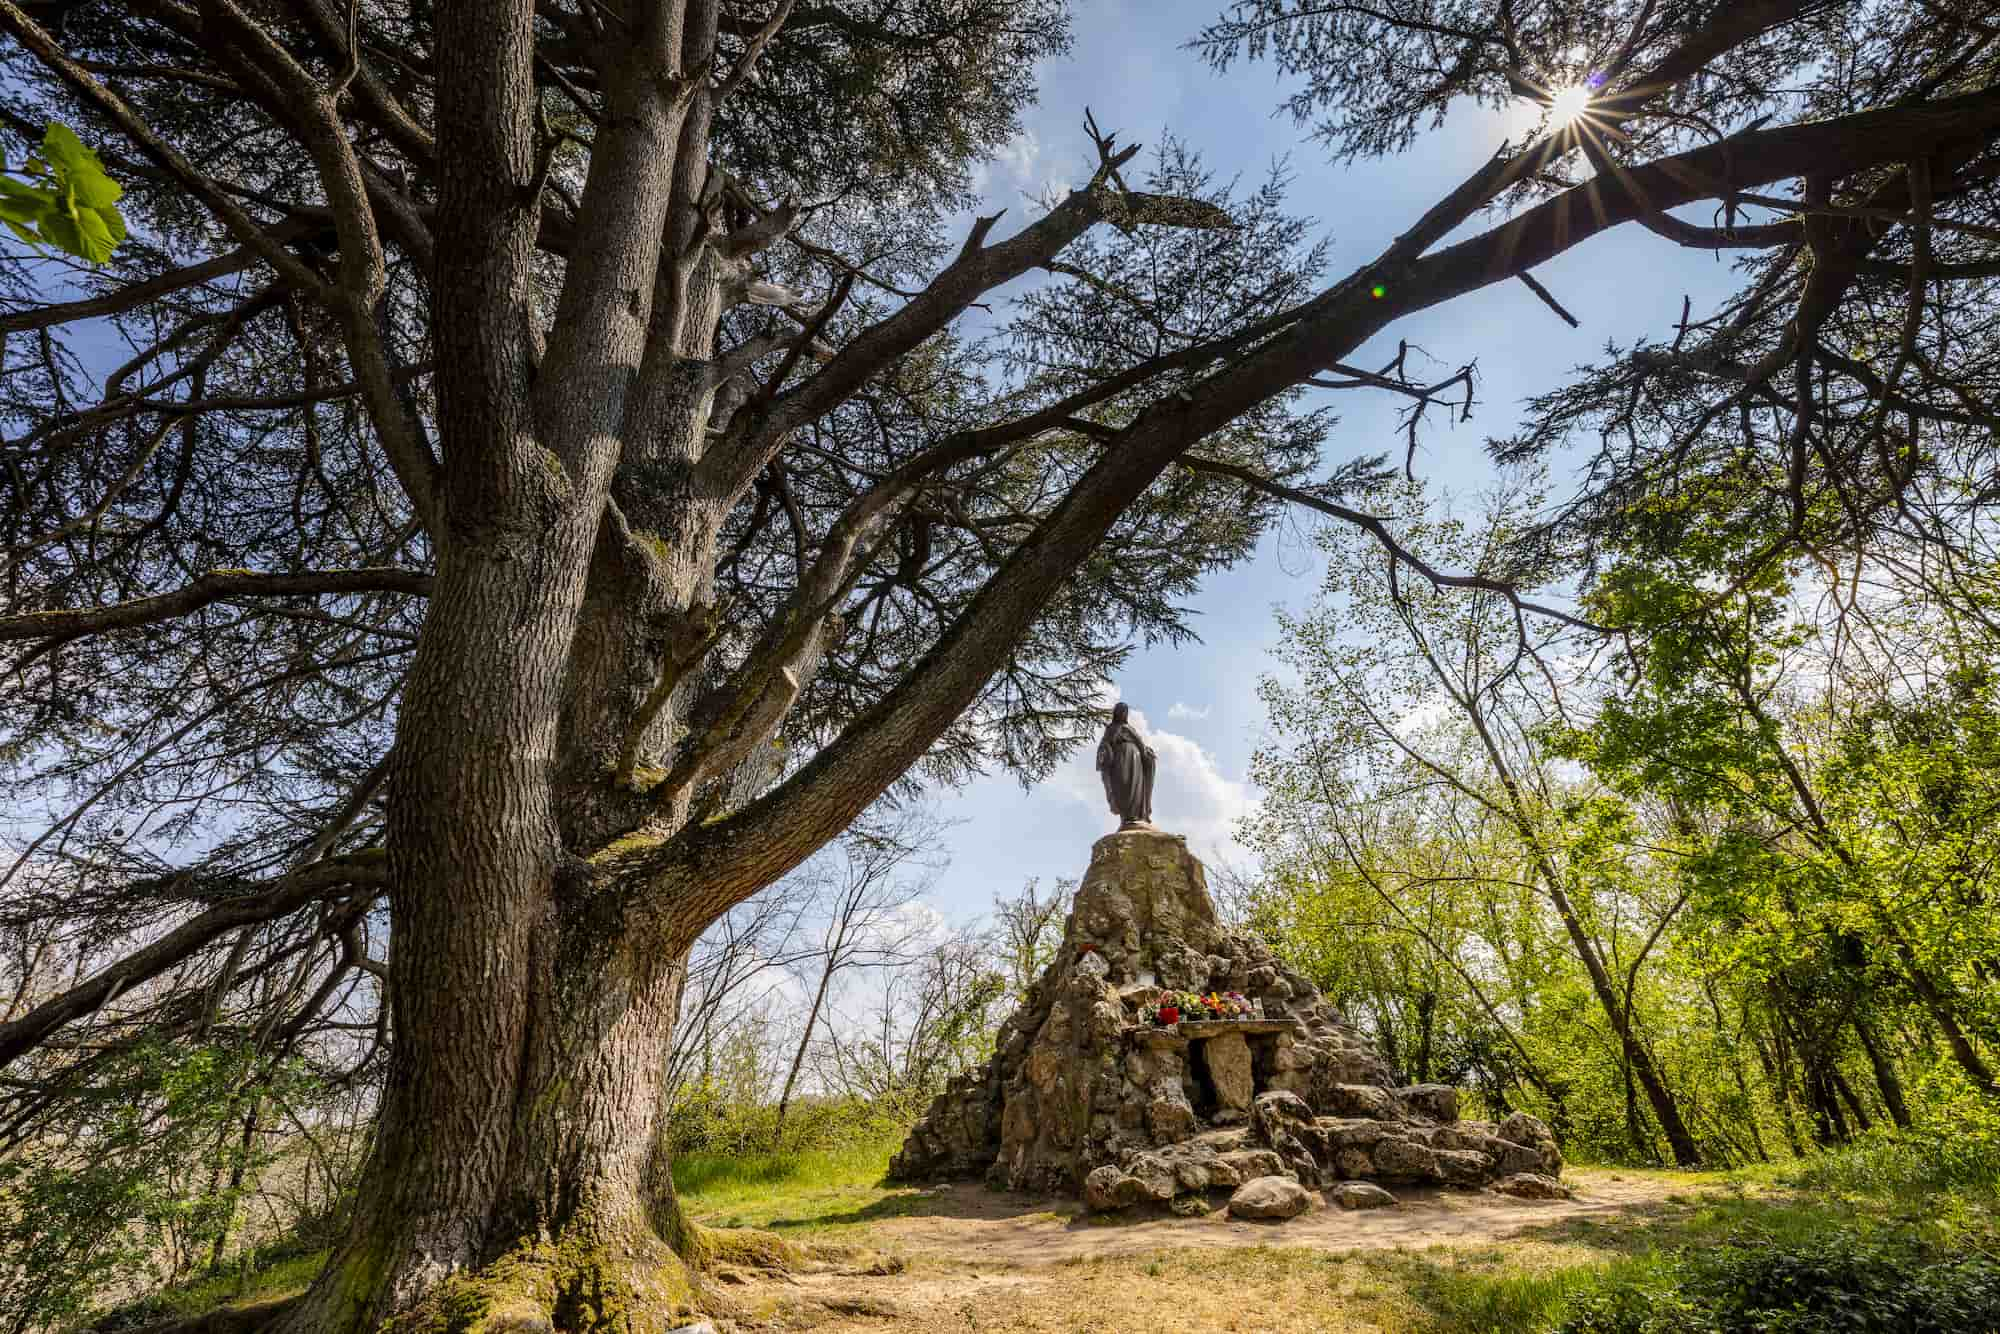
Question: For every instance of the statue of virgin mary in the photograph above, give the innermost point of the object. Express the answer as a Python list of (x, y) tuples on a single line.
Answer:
[(1125, 763)]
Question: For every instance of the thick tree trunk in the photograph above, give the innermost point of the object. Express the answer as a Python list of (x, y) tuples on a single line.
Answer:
[(518, 1160), (569, 1205)]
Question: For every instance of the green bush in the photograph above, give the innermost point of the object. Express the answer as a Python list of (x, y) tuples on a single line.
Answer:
[(1842, 1283), (1916, 1162), (706, 1120)]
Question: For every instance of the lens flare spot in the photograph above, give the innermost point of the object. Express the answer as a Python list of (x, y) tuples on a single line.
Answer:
[(1378, 291), (1569, 104)]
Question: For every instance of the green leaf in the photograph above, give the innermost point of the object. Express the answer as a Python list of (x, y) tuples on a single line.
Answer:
[(62, 232), (62, 150), (19, 190), (76, 211), (98, 242)]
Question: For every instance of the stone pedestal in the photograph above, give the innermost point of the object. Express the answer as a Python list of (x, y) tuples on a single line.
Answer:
[(1084, 1095)]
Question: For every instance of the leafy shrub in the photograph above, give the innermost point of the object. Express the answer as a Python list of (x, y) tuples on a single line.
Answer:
[(1842, 1283), (1911, 1163), (145, 1178), (707, 1120)]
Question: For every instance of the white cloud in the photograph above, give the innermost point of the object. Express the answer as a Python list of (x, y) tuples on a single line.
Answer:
[(1012, 170), (1184, 710)]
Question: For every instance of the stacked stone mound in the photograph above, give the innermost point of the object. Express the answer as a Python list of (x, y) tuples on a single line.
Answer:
[(1086, 1095)]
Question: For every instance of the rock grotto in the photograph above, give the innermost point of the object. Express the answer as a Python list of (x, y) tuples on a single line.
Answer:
[(1088, 1094)]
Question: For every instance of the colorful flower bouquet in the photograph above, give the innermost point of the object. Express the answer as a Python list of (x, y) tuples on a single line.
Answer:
[(1199, 1008), (1221, 1005)]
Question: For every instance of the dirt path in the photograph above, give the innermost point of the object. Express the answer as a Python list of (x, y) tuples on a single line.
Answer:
[(982, 1226), (973, 1259)]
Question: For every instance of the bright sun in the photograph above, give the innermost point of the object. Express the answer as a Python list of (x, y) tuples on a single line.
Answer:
[(1570, 103)]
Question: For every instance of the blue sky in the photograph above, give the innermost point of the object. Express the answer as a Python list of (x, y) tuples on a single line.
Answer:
[(1198, 702)]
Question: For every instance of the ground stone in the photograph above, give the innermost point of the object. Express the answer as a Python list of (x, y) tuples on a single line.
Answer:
[(1270, 1197), (1107, 1188), (1360, 1195), (1532, 1186)]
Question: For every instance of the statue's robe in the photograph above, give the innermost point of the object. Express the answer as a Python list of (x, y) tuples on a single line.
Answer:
[(1126, 763)]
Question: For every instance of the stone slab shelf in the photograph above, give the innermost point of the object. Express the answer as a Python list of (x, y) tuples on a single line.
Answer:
[(1181, 1034)]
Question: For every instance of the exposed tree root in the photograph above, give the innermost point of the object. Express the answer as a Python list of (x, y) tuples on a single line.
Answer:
[(742, 1255), (247, 1319), (583, 1283), (577, 1287)]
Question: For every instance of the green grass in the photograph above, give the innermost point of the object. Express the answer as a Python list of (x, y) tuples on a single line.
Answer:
[(809, 1190), (281, 1277), (1499, 1289), (1527, 1286)]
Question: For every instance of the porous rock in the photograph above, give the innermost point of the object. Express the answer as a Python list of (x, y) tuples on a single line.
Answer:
[(1437, 1101)]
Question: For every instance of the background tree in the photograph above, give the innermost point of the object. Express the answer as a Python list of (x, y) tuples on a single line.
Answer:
[(868, 923), (545, 489), (1027, 929), (1427, 702)]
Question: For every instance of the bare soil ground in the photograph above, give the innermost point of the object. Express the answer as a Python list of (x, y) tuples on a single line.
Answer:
[(973, 1259)]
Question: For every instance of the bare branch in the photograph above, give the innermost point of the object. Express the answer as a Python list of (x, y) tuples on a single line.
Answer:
[(275, 899)]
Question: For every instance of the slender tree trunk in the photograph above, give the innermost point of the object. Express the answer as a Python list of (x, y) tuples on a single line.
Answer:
[(1635, 1124), (1846, 1092), (1886, 1081), (1946, 1014), (1777, 1069), (1638, 1060), (1516, 811), (805, 1039), (1736, 1070), (236, 1170), (1426, 1019)]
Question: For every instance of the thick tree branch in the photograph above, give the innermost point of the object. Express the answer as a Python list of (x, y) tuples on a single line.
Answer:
[(705, 869), (211, 587), (978, 269)]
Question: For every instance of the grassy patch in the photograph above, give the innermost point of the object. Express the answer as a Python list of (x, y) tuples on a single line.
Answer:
[(283, 1276), (1522, 1286), (809, 1190)]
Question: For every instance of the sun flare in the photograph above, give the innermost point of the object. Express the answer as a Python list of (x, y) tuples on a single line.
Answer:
[(1569, 104)]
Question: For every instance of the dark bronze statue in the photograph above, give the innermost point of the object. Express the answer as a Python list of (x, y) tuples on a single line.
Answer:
[(1125, 763)]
